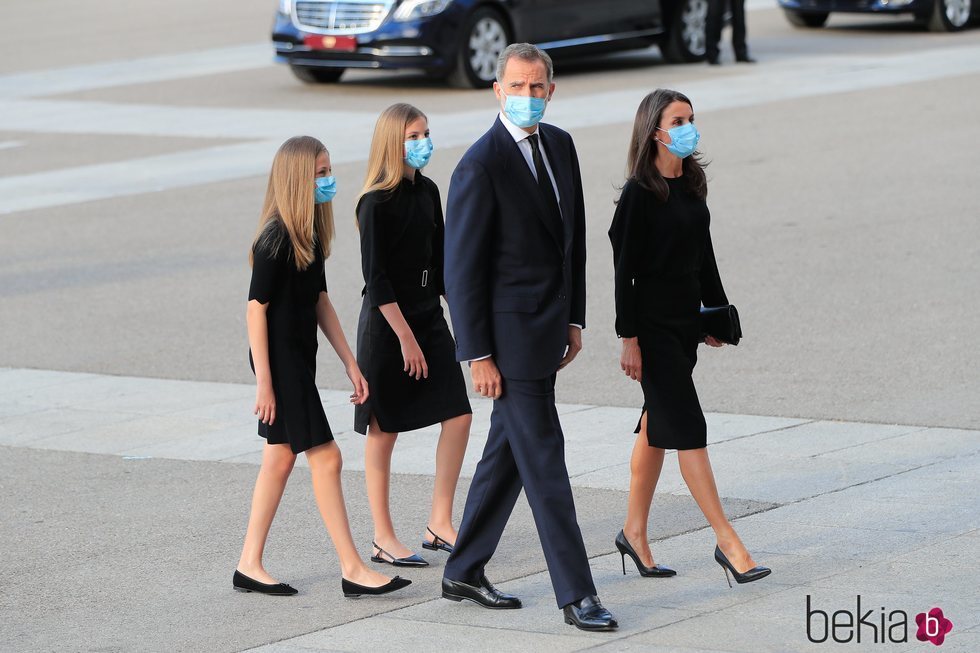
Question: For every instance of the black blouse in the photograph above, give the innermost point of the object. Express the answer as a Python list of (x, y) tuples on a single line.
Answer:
[(402, 236), (291, 294), (660, 241)]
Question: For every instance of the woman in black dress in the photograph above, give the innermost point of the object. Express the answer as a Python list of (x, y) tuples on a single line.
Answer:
[(287, 300), (665, 271), (403, 342)]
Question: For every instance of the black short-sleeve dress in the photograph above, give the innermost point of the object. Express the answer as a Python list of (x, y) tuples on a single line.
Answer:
[(291, 296), (665, 270), (402, 235)]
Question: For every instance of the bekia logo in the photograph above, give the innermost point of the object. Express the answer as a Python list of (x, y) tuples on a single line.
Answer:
[(873, 626), (933, 626)]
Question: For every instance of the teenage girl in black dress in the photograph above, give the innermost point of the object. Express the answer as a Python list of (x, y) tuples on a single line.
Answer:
[(287, 300), (404, 345), (665, 271)]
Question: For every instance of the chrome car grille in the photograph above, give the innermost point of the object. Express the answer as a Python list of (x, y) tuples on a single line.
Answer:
[(349, 17)]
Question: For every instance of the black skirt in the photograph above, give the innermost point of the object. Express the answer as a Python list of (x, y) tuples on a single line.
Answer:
[(398, 401), (669, 333)]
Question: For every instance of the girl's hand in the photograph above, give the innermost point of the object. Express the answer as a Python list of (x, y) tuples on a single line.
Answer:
[(360, 385), (415, 363), (713, 342), (631, 362), (265, 403)]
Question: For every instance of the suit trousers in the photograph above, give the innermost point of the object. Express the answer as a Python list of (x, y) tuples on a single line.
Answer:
[(525, 448), (716, 13)]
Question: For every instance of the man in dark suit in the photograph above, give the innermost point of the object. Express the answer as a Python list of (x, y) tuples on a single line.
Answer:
[(515, 281)]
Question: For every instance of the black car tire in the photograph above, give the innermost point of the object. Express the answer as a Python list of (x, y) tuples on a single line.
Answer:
[(686, 39), (316, 75), (806, 18), (939, 19), (476, 68)]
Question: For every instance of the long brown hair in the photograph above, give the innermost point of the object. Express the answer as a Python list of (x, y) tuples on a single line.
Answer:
[(386, 161), (289, 202), (642, 154)]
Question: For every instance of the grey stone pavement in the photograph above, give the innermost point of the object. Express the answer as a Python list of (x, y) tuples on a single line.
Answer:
[(124, 503)]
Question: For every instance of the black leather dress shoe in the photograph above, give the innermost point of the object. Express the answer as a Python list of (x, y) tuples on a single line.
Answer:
[(485, 594), (243, 583), (745, 59), (588, 614), (714, 61)]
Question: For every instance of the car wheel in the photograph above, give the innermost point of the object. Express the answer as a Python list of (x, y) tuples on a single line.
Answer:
[(687, 40), (949, 15), (806, 18), (315, 75), (485, 36)]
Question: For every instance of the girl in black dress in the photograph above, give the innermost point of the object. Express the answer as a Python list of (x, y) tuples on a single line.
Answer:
[(287, 300), (665, 271), (403, 342)]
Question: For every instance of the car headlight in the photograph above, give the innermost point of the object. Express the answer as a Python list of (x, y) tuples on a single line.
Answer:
[(285, 7), (410, 9)]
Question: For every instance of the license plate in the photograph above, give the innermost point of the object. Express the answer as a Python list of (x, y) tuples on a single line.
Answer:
[(336, 43)]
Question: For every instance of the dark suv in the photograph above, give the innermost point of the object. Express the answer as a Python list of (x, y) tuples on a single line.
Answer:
[(460, 39)]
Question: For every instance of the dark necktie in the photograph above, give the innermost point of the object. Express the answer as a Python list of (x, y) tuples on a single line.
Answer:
[(544, 180)]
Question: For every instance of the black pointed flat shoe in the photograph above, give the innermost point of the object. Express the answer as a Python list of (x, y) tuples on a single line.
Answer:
[(414, 560), (353, 590), (626, 549), (243, 583), (437, 543), (752, 574)]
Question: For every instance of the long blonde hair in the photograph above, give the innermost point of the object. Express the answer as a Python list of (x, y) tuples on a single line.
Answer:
[(289, 201), (386, 163)]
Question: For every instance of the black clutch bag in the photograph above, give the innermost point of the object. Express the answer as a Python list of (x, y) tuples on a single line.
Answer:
[(721, 323)]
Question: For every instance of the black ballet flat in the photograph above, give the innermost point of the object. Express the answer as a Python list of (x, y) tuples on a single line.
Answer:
[(243, 583), (353, 590), (414, 560), (437, 543), (752, 574), (626, 549)]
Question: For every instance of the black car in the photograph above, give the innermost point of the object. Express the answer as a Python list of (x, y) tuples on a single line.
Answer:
[(938, 15), (461, 39)]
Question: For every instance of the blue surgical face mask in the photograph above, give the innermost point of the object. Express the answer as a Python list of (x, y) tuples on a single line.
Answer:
[(418, 152), (524, 111), (684, 140), (326, 188)]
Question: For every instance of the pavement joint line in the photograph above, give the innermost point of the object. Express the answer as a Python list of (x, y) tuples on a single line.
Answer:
[(916, 429)]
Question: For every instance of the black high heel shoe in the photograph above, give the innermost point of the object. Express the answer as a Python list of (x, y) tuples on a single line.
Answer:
[(243, 583), (353, 590), (752, 574), (437, 543), (625, 549), (414, 560)]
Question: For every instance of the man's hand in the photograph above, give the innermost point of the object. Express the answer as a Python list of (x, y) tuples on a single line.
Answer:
[(574, 345), (486, 378)]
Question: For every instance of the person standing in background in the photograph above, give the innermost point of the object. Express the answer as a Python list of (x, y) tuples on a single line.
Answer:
[(716, 17)]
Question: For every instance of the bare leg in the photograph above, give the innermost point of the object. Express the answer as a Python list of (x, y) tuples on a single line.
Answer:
[(277, 463), (696, 469), (377, 477), (449, 460), (645, 466), (325, 466)]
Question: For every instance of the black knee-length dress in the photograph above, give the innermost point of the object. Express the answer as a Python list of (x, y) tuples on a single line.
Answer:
[(291, 296), (402, 235), (665, 270)]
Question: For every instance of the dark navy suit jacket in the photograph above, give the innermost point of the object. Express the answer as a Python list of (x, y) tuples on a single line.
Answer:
[(515, 276)]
